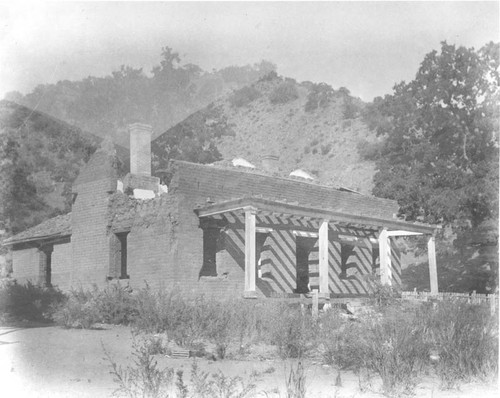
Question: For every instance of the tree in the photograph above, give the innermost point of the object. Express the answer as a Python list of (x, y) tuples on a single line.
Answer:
[(441, 149), (440, 158)]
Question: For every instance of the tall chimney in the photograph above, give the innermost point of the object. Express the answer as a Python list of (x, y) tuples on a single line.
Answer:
[(140, 149), (270, 163)]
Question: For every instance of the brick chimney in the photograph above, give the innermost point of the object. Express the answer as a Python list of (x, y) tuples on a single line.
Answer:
[(140, 179), (270, 163), (140, 149)]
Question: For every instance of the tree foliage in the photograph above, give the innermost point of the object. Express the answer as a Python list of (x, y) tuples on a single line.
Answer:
[(440, 159)]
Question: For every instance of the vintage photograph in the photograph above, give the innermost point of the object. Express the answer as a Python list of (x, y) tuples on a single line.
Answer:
[(235, 199)]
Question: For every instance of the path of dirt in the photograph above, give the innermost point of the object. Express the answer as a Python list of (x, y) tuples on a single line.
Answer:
[(53, 362)]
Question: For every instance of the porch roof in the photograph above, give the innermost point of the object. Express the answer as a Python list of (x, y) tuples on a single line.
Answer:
[(285, 208)]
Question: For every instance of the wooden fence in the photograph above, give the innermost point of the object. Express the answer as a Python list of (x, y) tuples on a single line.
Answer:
[(471, 298)]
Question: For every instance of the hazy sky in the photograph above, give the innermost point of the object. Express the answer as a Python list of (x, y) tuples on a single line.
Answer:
[(364, 46)]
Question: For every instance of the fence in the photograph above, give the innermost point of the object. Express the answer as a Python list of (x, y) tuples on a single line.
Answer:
[(471, 298)]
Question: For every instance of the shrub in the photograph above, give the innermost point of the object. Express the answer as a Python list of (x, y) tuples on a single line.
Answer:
[(394, 348), (370, 150), (28, 302), (338, 337), (283, 93), (466, 339), (115, 305), (244, 96), (293, 332), (325, 149), (320, 95), (80, 310)]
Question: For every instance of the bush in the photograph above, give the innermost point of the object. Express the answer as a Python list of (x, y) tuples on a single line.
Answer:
[(465, 337), (293, 333), (28, 302), (320, 95), (80, 310), (244, 96), (394, 348), (116, 305), (283, 93)]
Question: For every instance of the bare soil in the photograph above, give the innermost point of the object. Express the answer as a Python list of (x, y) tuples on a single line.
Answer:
[(55, 362)]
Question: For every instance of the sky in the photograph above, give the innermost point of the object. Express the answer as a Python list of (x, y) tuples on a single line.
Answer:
[(364, 46)]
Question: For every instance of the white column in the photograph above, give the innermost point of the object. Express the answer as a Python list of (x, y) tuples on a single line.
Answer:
[(431, 251), (323, 259), (250, 252), (384, 244)]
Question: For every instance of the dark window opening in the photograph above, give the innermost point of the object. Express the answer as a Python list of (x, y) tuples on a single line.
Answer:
[(211, 244), (45, 265), (122, 257), (346, 251), (303, 249)]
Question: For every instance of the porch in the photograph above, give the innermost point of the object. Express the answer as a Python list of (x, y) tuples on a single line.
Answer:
[(298, 233)]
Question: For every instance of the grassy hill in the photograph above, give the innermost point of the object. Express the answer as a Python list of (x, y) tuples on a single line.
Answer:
[(311, 127)]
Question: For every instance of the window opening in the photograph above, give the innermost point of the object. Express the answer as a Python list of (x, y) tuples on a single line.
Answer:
[(122, 257), (346, 251), (303, 249)]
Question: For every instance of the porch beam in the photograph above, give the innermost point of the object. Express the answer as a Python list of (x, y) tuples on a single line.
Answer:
[(431, 251), (403, 233), (250, 259), (323, 259), (385, 258), (265, 205)]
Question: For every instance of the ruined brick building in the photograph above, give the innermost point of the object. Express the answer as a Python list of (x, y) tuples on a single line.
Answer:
[(227, 229)]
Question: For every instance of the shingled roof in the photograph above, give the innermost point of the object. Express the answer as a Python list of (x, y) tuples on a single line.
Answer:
[(59, 226)]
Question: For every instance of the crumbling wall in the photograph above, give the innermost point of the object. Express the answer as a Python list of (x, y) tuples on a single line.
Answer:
[(152, 242)]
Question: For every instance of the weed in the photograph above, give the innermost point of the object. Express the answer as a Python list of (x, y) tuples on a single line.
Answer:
[(183, 391), (295, 380), (144, 379)]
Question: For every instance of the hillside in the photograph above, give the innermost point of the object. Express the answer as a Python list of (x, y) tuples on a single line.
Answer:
[(162, 97), (311, 127), (41, 157)]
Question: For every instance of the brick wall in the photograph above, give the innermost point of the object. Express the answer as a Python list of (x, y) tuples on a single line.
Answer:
[(25, 265), (90, 218), (152, 242), (61, 266), (195, 184)]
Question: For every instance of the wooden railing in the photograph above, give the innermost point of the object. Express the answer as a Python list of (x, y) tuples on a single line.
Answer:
[(471, 298)]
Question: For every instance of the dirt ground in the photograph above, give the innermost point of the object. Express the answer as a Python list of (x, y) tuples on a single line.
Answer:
[(54, 362)]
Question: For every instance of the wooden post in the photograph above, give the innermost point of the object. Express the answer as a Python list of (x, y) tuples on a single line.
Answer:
[(323, 259), (431, 251), (250, 252), (315, 304), (385, 258), (493, 303)]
